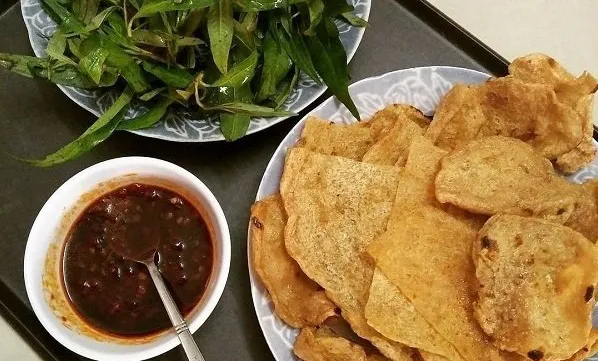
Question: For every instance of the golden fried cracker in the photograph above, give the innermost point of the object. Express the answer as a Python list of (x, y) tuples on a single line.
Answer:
[(584, 218), (504, 175), (322, 344), (510, 107), (589, 350), (335, 208), (393, 142), (384, 119), (575, 92), (458, 118), (536, 286), (427, 254), (390, 313), (321, 136), (298, 301), (417, 180)]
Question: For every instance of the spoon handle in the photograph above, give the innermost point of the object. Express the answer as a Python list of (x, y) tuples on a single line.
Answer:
[(175, 316)]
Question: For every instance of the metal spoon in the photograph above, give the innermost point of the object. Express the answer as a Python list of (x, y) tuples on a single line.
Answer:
[(145, 253)]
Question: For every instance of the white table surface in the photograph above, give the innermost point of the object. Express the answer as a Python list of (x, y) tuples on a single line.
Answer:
[(564, 29)]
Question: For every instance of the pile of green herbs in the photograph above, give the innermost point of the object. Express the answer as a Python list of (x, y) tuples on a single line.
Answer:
[(232, 59)]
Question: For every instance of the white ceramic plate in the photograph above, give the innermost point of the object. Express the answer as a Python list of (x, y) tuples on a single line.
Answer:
[(181, 125), (420, 87)]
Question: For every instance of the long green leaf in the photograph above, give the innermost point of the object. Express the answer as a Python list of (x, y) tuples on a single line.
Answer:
[(316, 11), (244, 36), (21, 64), (97, 133), (330, 59), (172, 76), (93, 63), (57, 46), (285, 88), (234, 126), (276, 66), (65, 74), (85, 10), (261, 5), (152, 93), (118, 59), (149, 118), (250, 109), (99, 19), (240, 74), (151, 7), (67, 19), (336, 7), (354, 20), (297, 50), (221, 30)]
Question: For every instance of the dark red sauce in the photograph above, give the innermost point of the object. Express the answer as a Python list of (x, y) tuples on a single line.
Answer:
[(116, 295)]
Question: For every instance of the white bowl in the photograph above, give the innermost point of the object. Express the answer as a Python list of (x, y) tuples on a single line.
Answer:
[(44, 250)]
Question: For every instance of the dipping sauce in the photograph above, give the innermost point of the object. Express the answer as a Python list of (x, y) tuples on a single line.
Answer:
[(117, 296)]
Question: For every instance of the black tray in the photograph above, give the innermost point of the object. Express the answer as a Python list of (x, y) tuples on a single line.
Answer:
[(37, 118)]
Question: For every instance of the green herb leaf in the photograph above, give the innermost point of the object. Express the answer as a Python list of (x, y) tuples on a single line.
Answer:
[(240, 74), (276, 66), (286, 87), (221, 30), (244, 36), (297, 50), (172, 76), (250, 109), (193, 22), (330, 59), (250, 20), (151, 7), (261, 5), (148, 37), (151, 94), (97, 133), (149, 118), (66, 74), (21, 64), (316, 10), (337, 7), (118, 59), (85, 10), (68, 20), (234, 126), (93, 63), (57, 46), (354, 20), (99, 19)]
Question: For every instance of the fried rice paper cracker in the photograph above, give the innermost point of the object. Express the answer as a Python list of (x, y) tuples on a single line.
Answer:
[(584, 218), (510, 107), (536, 282), (589, 350), (427, 254), (321, 136), (322, 344), (384, 119), (335, 207), (458, 118), (575, 92), (504, 175), (298, 301), (417, 180), (390, 313), (392, 143)]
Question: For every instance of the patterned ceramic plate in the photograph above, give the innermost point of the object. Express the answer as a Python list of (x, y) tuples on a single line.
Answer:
[(420, 87), (181, 125)]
